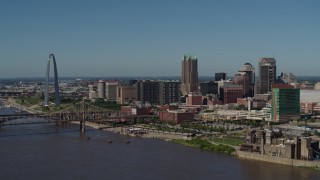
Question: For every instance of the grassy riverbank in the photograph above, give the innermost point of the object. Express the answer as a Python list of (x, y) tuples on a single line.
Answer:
[(228, 141), (206, 145)]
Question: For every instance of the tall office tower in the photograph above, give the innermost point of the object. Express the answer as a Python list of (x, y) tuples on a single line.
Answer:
[(209, 87), (148, 91), (169, 92), (247, 78), (111, 91), (101, 89), (220, 76), (285, 104), (267, 74), (189, 76)]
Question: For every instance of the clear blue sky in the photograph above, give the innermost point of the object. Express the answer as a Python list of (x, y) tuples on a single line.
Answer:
[(149, 37)]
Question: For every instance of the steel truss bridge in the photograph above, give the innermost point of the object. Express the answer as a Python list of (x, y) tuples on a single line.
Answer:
[(81, 111)]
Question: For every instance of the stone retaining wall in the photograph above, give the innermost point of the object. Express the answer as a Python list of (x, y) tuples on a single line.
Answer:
[(279, 160)]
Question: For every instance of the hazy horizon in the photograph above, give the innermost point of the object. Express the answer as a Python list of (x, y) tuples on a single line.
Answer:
[(134, 77)]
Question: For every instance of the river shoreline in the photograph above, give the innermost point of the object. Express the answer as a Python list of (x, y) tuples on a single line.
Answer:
[(171, 137), (167, 136)]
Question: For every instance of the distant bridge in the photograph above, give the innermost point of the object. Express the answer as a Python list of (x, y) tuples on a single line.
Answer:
[(81, 111)]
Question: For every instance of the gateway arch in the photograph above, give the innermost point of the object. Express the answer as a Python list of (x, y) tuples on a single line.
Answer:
[(56, 82)]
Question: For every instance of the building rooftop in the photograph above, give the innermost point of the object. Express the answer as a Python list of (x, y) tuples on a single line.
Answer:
[(232, 86), (191, 57), (282, 86), (267, 59)]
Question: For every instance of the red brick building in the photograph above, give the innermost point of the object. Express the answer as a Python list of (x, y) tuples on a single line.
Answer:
[(176, 116), (231, 93), (140, 111), (126, 109), (194, 99), (242, 78)]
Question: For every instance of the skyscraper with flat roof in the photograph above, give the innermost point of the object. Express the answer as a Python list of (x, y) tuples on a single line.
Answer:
[(148, 91), (101, 89), (169, 92), (111, 91), (285, 103), (267, 74), (189, 75)]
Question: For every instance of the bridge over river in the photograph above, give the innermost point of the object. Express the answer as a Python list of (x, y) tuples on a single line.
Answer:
[(81, 111)]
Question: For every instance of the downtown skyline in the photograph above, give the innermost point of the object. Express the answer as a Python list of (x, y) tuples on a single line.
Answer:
[(144, 38)]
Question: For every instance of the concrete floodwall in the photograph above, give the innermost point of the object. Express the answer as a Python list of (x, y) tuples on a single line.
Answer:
[(279, 160)]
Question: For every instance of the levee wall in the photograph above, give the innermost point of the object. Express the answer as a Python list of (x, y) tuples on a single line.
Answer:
[(279, 160)]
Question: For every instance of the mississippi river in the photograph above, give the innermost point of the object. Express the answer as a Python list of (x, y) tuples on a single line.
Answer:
[(51, 151)]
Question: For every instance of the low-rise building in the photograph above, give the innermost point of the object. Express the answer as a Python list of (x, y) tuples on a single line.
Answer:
[(176, 116), (194, 99), (126, 94), (230, 93), (141, 111), (251, 103), (234, 115)]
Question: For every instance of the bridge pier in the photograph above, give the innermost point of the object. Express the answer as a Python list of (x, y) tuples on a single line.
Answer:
[(82, 126)]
